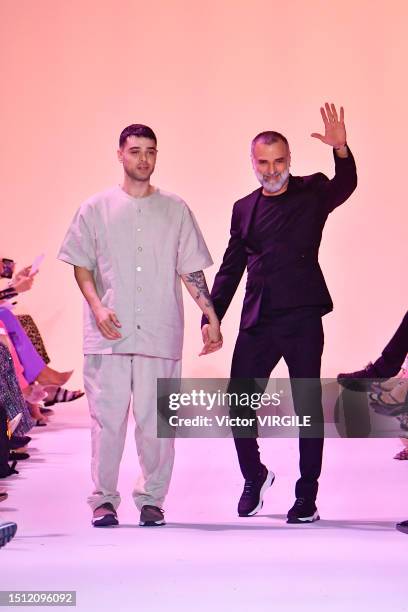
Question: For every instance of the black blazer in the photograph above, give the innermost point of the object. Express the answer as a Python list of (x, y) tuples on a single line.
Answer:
[(290, 270)]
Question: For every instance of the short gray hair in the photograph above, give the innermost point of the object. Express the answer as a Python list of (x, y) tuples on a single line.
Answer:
[(269, 137)]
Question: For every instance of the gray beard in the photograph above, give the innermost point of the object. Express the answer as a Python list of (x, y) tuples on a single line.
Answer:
[(277, 184)]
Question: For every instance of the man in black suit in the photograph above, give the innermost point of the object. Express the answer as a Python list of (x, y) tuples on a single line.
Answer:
[(276, 233)]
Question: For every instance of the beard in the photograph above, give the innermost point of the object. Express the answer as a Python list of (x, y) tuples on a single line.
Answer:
[(280, 179)]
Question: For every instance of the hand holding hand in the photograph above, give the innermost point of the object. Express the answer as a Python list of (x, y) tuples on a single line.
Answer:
[(212, 338), (335, 130), (107, 323)]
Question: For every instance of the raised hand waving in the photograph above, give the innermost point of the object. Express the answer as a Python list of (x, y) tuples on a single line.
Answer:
[(335, 130)]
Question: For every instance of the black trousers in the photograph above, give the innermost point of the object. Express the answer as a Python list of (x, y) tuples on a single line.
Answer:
[(4, 444), (297, 336), (394, 354)]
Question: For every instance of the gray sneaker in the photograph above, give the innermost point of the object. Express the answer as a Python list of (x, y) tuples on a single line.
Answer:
[(7, 533), (151, 516), (105, 516)]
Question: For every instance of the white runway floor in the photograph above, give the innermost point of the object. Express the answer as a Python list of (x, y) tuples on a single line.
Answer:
[(206, 558)]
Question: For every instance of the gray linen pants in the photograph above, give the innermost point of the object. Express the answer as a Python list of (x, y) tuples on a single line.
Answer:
[(110, 382)]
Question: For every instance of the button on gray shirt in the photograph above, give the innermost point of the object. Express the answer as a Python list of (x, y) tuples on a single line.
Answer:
[(137, 248)]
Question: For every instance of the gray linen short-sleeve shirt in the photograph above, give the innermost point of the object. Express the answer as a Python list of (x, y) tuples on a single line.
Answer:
[(137, 248)]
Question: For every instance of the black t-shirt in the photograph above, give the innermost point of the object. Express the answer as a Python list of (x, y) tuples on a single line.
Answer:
[(270, 218), (274, 216)]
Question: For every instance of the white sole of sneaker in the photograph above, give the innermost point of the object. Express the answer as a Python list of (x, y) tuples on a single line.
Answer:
[(305, 519), (109, 520), (151, 523), (268, 483)]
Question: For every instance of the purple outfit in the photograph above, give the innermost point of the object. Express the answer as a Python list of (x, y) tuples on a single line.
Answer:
[(28, 356)]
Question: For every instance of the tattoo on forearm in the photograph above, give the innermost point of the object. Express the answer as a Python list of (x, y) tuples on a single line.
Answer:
[(197, 279)]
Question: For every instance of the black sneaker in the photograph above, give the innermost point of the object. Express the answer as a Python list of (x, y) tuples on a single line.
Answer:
[(151, 516), (7, 532), (251, 499), (105, 516), (403, 527), (360, 380), (303, 511)]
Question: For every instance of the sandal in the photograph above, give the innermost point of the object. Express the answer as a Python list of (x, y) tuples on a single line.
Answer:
[(386, 385), (63, 395), (393, 410), (378, 397), (394, 401), (402, 455)]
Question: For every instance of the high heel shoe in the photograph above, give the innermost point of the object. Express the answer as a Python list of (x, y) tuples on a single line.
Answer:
[(16, 456), (35, 411), (13, 423)]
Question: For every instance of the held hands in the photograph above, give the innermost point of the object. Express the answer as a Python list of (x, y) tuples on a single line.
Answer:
[(335, 130), (107, 323), (212, 338)]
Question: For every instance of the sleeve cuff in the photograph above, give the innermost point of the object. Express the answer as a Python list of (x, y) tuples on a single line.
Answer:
[(76, 262), (195, 267)]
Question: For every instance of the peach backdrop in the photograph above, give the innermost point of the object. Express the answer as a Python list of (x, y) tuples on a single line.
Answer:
[(206, 77)]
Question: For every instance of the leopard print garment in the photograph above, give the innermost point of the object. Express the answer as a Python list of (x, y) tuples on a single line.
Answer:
[(33, 333)]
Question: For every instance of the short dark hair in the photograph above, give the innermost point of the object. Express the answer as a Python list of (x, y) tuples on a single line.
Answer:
[(136, 129), (269, 137)]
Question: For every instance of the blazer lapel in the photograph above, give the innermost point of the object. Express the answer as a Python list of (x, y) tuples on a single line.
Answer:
[(249, 211)]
